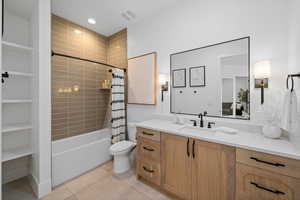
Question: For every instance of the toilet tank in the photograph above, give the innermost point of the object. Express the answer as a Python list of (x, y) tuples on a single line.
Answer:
[(132, 131)]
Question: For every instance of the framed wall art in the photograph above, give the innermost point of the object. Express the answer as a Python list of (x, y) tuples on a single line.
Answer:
[(179, 78), (197, 76)]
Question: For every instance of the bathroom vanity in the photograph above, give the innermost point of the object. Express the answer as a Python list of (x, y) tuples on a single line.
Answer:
[(194, 163)]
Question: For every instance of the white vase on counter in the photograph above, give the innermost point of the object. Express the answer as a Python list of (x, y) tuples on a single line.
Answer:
[(272, 131)]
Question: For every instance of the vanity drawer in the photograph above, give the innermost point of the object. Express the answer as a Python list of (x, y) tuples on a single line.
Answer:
[(148, 149), (149, 134), (277, 164), (257, 184), (149, 171)]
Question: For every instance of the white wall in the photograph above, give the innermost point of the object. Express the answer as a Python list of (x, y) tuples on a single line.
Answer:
[(1, 98), (41, 169), (196, 23), (294, 41)]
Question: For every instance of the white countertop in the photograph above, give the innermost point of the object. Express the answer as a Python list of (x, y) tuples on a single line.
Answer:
[(245, 140)]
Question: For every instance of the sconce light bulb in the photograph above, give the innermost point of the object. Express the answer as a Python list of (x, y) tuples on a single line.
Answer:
[(162, 79)]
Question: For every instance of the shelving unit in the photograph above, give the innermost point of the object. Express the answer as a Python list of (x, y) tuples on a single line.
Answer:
[(16, 127), (15, 153), (17, 46), (13, 73), (6, 101), (18, 90)]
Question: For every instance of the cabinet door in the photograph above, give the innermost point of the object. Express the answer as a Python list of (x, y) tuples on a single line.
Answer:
[(213, 171), (254, 183), (176, 165)]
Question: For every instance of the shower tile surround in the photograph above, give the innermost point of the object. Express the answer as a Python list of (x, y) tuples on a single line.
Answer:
[(78, 104)]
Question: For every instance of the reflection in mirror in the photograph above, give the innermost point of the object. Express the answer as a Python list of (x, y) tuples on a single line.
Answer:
[(214, 78)]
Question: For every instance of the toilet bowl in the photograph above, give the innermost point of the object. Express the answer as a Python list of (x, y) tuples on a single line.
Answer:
[(121, 151)]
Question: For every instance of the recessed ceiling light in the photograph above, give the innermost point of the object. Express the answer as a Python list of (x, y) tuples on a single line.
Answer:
[(91, 21), (77, 31)]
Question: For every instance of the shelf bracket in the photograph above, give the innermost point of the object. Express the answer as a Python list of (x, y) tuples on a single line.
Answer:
[(4, 75)]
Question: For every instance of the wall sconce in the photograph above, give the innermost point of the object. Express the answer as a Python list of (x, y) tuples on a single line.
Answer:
[(163, 82), (262, 73)]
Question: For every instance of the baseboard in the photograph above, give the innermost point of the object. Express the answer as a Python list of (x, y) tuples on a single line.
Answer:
[(40, 189)]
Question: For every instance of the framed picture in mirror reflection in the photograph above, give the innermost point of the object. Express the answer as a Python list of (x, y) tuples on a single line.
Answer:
[(197, 76), (179, 78)]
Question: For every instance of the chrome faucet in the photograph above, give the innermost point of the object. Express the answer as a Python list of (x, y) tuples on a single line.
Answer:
[(201, 115)]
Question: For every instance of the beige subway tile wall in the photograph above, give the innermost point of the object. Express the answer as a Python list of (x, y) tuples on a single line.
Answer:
[(117, 49), (78, 104)]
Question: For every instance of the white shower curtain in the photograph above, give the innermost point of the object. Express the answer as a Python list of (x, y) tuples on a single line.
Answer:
[(118, 106)]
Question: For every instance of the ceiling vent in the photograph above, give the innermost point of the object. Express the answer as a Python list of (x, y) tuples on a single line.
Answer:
[(128, 15)]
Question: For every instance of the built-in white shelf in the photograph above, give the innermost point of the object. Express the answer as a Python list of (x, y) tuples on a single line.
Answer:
[(6, 101), (15, 127), (18, 46), (14, 73), (15, 153)]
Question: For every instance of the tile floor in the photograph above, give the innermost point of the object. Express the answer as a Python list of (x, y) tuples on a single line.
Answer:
[(102, 184)]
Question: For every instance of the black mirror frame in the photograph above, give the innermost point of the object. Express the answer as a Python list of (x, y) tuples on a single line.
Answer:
[(249, 96)]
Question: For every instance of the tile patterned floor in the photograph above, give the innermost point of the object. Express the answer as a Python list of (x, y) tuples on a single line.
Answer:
[(102, 184)]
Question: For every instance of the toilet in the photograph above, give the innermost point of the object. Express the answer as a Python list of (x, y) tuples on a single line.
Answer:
[(121, 151)]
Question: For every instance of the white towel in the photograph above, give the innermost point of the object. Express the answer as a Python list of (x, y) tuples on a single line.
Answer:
[(289, 115), (290, 120)]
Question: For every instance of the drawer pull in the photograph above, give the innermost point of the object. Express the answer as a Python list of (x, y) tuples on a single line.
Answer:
[(188, 147), (267, 189), (149, 134), (266, 162), (193, 148), (148, 170), (148, 149)]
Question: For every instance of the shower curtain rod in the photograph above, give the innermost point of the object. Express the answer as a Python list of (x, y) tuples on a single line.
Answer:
[(83, 59)]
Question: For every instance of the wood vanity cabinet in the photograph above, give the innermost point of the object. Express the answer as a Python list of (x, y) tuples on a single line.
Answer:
[(197, 170), (176, 165), (148, 155), (266, 177), (256, 184), (192, 169), (213, 171)]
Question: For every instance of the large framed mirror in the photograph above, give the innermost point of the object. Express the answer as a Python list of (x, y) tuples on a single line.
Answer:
[(214, 78)]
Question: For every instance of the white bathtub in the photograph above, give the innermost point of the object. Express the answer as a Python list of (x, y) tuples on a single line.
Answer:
[(73, 156)]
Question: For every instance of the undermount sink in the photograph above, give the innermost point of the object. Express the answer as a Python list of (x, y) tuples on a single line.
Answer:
[(204, 130), (196, 130)]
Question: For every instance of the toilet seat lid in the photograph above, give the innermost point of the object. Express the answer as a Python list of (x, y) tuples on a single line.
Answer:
[(121, 146)]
